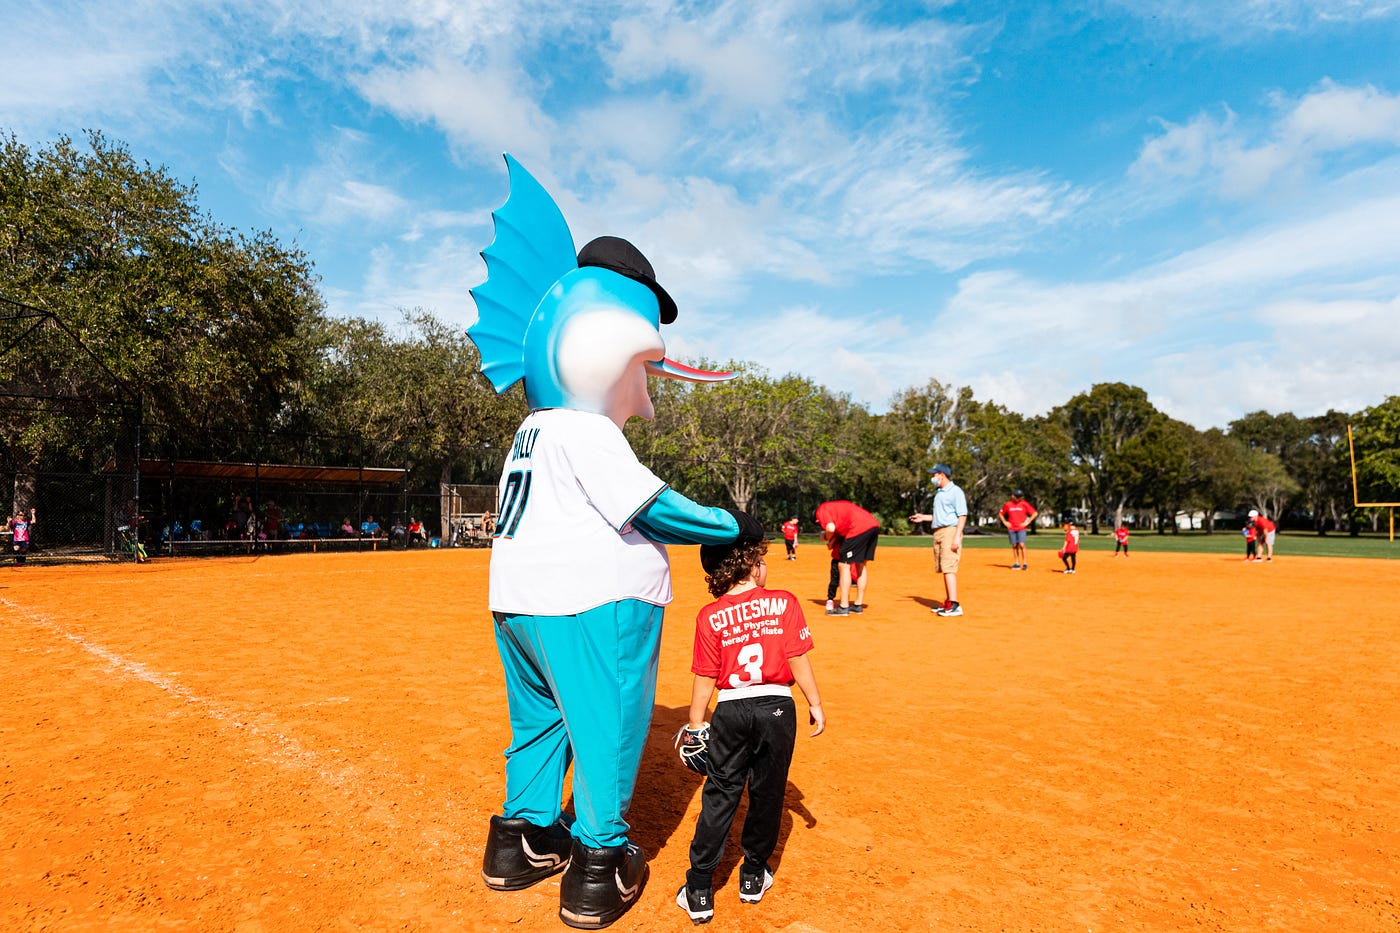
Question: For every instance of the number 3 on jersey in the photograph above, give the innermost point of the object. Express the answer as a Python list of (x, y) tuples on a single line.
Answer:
[(513, 500), (751, 660)]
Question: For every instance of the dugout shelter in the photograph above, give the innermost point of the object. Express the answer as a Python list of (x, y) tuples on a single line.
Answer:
[(197, 506)]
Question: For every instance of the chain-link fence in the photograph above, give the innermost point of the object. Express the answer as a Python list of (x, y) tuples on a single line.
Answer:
[(67, 445)]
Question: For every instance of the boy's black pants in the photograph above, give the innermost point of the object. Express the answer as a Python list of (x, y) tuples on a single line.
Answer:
[(751, 742)]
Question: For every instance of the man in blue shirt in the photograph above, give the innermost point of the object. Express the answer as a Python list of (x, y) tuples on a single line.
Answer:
[(949, 517)]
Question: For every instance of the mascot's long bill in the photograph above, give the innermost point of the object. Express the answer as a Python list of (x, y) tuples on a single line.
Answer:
[(579, 572)]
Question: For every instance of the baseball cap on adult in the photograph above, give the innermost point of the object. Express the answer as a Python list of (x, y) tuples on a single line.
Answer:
[(942, 468), (1253, 513), (615, 253)]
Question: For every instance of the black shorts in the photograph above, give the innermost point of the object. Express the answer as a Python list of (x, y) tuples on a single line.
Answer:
[(861, 548)]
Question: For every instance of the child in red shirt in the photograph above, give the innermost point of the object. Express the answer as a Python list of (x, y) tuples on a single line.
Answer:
[(1070, 552), (790, 538), (1120, 537), (1251, 543), (751, 643)]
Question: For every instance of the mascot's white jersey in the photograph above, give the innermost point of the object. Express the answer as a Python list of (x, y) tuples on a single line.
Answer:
[(569, 490)]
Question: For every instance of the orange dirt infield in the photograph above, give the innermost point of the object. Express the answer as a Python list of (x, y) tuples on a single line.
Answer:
[(313, 742)]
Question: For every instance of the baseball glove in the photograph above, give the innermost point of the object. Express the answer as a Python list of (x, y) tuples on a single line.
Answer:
[(694, 747)]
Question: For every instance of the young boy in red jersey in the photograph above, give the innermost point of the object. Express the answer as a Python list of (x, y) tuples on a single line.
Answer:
[(790, 537), (1070, 552), (751, 643), (1251, 545), (1120, 538)]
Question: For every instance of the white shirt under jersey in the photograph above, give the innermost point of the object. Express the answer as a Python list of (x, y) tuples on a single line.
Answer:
[(569, 490)]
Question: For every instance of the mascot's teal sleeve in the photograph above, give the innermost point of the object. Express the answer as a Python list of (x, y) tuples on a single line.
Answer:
[(671, 518)]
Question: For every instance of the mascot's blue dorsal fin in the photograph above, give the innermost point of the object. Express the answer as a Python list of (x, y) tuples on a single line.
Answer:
[(532, 250)]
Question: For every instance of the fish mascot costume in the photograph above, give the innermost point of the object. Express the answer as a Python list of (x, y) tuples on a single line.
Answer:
[(579, 573)]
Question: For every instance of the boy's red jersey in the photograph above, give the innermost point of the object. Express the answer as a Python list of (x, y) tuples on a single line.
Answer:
[(1071, 541), (790, 531), (1121, 533), (746, 639)]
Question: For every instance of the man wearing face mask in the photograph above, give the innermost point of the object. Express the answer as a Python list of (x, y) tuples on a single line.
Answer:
[(949, 517)]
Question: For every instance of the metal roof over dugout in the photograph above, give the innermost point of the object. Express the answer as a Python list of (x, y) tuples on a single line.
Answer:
[(268, 472)]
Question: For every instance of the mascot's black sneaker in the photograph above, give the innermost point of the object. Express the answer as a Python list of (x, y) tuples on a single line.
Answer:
[(698, 903), (519, 853), (754, 883), (601, 884)]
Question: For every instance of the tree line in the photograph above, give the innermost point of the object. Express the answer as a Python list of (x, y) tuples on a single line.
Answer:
[(223, 339)]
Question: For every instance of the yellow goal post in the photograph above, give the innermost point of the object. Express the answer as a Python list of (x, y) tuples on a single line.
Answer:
[(1355, 493)]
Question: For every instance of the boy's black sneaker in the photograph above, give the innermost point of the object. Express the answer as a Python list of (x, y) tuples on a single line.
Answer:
[(698, 903), (601, 885), (519, 853), (754, 883)]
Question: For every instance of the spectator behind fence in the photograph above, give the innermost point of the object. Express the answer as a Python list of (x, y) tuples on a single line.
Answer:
[(415, 532), (19, 528), (241, 521), (272, 521), (397, 532), (369, 528), (346, 529)]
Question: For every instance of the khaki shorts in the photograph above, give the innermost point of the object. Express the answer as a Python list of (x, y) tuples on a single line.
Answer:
[(945, 559)]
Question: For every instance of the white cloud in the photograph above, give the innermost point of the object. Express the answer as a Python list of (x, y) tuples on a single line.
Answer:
[(1238, 161), (71, 61), (733, 67), (436, 274), (843, 353), (1298, 316), (483, 111)]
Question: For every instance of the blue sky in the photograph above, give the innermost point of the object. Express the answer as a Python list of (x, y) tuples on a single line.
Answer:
[(1199, 198)]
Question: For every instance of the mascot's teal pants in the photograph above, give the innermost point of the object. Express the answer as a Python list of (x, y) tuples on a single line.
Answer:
[(581, 689)]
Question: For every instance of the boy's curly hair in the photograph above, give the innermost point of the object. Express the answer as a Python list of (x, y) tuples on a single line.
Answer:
[(735, 567)]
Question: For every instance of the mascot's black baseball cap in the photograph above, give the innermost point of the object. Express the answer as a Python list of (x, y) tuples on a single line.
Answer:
[(615, 253)]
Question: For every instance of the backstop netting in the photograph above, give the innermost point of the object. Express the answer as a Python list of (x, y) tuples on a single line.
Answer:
[(68, 434)]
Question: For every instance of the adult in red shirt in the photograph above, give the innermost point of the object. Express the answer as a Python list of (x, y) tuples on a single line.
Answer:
[(1017, 515), (1264, 529), (859, 532)]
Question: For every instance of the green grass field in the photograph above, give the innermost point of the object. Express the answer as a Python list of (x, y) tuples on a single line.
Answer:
[(1226, 541)]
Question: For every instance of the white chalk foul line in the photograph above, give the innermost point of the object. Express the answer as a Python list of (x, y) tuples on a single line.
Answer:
[(356, 786)]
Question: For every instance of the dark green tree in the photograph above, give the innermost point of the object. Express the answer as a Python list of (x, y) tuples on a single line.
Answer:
[(201, 322), (1100, 422), (1220, 474), (740, 438), (418, 389), (1376, 440)]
